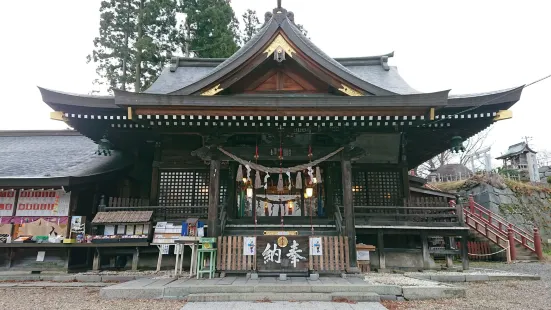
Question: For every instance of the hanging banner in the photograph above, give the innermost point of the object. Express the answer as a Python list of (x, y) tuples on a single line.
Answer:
[(43, 203), (7, 201), (316, 247), (284, 254), (249, 247)]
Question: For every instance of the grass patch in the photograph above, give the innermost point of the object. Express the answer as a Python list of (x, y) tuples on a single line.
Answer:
[(525, 188), (449, 186)]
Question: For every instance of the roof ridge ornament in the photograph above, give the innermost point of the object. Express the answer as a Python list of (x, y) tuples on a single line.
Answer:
[(279, 45)]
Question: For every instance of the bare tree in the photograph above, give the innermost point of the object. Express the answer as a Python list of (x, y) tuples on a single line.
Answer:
[(544, 158), (472, 146)]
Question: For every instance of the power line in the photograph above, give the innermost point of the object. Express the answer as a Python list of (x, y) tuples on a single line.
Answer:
[(493, 99)]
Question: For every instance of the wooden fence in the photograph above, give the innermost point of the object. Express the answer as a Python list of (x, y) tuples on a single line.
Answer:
[(335, 256), (230, 255)]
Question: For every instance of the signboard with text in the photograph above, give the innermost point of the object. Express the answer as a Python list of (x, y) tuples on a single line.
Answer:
[(7, 201), (284, 254), (43, 203)]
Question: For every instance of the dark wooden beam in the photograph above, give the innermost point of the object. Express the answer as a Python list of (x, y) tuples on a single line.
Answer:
[(155, 175), (381, 249), (346, 167), (214, 198), (425, 249), (465, 250)]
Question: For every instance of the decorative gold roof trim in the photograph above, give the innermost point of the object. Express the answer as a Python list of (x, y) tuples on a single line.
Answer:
[(213, 91), (350, 91), (279, 42), (58, 116), (503, 114)]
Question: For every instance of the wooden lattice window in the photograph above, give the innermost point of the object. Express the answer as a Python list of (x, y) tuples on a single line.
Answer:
[(359, 188), (384, 188), (184, 188)]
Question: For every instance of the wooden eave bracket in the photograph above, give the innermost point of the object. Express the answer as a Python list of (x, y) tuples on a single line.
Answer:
[(58, 116), (503, 115)]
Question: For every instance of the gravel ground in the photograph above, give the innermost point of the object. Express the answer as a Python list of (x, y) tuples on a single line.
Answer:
[(396, 279), (75, 299), (502, 295)]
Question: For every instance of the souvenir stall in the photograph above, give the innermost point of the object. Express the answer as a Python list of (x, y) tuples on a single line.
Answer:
[(186, 234), (36, 228), (7, 203), (119, 234)]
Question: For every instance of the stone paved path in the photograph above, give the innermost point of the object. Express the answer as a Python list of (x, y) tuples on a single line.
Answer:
[(282, 305)]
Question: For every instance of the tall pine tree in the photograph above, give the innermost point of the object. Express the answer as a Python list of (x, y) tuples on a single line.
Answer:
[(136, 39), (211, 29)]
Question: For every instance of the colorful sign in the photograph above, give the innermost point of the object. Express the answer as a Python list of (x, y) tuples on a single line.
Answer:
[(285, 254), (316, 247), (7, 201), (250, 246), (43, 203)]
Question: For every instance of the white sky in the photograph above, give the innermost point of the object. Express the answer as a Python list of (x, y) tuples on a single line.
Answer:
[(466, 46)]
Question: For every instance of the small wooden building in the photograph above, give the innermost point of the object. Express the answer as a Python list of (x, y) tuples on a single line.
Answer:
[(280, 137)]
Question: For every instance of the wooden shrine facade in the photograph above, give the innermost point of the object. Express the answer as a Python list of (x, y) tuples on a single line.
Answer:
[(281, 102)]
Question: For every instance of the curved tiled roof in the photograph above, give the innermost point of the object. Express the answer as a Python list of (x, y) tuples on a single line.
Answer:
[(52, 154)]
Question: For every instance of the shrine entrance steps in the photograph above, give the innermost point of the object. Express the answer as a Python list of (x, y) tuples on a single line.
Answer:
[(227, 289)]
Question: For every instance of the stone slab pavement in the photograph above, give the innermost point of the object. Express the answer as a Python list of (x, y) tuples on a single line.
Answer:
[(310, 305)]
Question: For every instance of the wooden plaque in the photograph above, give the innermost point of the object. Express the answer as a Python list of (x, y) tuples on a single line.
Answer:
[(283, 254)]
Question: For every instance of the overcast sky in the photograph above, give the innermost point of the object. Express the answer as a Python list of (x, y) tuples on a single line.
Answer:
[(465, 46)]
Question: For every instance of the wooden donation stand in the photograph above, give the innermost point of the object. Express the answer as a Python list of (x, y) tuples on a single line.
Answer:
[(364, 262), (186, 234)]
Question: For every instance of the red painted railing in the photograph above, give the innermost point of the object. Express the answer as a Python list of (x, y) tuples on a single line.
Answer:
[(498, 229)]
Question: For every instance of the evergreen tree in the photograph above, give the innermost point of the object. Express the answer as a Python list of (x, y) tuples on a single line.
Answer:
[(211, 29), (251, 25), (136, 39)]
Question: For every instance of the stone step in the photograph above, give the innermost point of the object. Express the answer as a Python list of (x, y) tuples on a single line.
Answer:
[(182, 292), (270, 296)]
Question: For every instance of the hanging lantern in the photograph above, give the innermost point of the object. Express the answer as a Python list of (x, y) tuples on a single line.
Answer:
[(244, 180), (315, 180), (290, 208), (249, 192), (457, 145), (309, 192)]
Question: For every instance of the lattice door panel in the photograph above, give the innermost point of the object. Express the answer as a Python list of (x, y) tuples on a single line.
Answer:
[(359, 188), (384, 188), (188, 189)]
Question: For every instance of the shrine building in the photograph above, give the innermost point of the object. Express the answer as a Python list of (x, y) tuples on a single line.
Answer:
[(282, 139)]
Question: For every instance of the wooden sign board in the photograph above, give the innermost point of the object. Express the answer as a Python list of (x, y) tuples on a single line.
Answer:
[(282, 254)]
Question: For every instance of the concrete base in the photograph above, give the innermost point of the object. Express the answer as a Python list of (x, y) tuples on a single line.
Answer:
[(432, 292), (271, 289)]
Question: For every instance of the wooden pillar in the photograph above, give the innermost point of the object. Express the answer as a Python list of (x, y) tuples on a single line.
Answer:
[(425, 250), (381, 249), (448, 241), (465, 250), (329, 181), (214, 197), (231, 200), (135, 259), (155, 175), (97, 260), (349, 222), (405, 171)]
